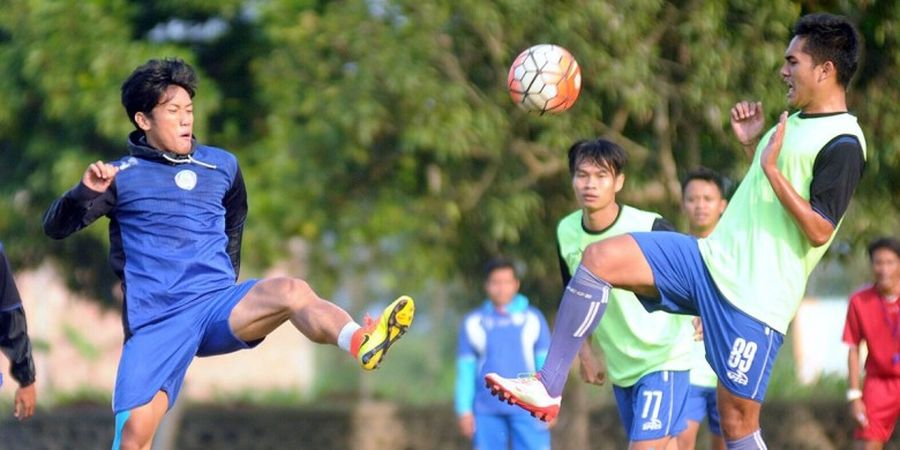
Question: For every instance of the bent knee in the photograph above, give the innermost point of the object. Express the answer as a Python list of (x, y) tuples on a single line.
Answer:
[(599, 258), (294, 292)]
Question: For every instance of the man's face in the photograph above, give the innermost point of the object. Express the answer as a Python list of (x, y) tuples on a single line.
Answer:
[(702, 204), (886, 269), (501, 286), (801, 74), (596, 186), (170, 124)]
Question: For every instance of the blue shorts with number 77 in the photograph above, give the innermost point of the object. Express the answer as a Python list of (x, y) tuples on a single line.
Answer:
[(740, 348)]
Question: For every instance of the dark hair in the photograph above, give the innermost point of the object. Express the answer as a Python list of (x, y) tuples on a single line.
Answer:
[(831, 38), (498, 263), (884, 243), (144, 88), (601, 152), (704, 174)]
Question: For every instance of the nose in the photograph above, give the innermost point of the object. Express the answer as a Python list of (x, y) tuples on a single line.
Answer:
[(784, 71)]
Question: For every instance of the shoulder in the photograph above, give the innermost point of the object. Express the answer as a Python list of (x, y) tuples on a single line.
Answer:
[(570, 223), (863, 294), (534, 312), (216, 155), (639, 219)]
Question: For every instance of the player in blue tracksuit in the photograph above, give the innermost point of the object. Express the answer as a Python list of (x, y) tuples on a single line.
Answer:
[(14, 342), (504, 335), (177, 210)]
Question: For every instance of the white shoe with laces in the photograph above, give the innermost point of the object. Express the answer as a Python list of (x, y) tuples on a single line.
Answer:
[(527, 392)]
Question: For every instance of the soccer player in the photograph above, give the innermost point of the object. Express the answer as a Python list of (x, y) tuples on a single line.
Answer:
[(504, 335), (648, 355), (14, 342), (177, 210), (874, 317), (703, 202), (746, 279)]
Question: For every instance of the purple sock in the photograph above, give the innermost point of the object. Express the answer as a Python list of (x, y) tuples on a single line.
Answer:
[(752, 442), (580, 310)]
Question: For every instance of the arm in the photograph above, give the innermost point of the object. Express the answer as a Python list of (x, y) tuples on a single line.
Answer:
[(853, 336), (466, 380), (90, 199), (14, 342), (592, 366), (814, 224), (235, 202)]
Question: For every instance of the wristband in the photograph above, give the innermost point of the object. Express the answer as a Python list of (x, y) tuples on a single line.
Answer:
[(853, 394)]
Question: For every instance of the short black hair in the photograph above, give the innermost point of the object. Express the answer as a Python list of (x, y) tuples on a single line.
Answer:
[(144, 88), (831, 38), (889, 243), (602, 152), (498, 263), (704, 174)]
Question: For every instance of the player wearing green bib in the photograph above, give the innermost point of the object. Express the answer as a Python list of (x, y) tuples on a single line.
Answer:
[(746, 279), (648, 355)]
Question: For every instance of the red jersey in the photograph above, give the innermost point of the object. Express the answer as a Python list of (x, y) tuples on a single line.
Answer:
[(871, 318)]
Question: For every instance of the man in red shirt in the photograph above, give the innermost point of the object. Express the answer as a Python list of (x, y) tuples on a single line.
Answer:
[(874, 317)]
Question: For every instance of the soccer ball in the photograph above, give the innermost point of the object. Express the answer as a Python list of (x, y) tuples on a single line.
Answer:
[(544, 78)]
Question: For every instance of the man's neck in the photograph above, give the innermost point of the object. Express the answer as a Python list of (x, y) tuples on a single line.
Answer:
[(601, 219), (701, 232), (889, 293), (829, 103)]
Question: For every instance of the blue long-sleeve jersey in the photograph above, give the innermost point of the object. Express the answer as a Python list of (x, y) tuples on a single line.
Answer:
[(175, 226), (509, 342)]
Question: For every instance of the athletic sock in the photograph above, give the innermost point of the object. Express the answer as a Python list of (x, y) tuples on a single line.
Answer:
[(582, 306), (752, 442), (346, 335)]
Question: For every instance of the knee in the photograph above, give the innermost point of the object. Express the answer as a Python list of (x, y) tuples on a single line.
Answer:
[(294, 292), (598, 258), (737, 423)]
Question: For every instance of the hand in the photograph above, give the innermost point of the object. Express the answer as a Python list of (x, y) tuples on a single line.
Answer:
[(99, 176), (858, 411), (747, 121), (24, 402), (592, 369), (698, 329), (467, 425), (770, 154)]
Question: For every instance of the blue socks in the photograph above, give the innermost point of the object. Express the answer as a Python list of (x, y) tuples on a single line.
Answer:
[(580, 310), (752, 442)]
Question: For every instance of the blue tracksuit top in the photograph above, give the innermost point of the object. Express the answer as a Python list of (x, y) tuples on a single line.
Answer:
[(510, 342), (175, 226)]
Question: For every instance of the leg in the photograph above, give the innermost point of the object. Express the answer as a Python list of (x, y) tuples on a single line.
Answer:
[(491, 432), (528, 434), (687, 439), (140, 424), (620, 262), (272, 302), (739, 416)]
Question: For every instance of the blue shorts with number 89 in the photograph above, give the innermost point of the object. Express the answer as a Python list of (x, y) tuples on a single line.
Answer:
[(740, 348)]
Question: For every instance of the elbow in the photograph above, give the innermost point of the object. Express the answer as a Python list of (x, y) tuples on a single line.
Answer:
[(819, 240)]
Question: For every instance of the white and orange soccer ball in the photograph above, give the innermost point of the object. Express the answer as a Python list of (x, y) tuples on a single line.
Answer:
[(545, 78)]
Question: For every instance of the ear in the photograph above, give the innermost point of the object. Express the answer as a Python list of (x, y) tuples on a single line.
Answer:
[(826, 70), (143, 121), (620, 182), (722, 206)]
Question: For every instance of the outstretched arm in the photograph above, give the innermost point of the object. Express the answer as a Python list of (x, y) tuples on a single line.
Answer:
[(90, 199)]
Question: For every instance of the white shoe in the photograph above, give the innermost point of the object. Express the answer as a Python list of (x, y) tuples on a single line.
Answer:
[(526, 392)]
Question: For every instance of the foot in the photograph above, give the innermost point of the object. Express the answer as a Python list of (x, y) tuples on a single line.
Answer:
[(526, 392), (371, 342)]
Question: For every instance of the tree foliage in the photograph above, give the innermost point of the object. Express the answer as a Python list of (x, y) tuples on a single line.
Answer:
[(380, 131)]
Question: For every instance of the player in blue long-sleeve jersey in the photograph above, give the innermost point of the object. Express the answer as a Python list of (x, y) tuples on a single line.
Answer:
[(504, 335)]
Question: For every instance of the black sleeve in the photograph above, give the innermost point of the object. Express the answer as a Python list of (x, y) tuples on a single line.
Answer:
[(235, 202), (661, 224), (836, 173), (76, 209), (563, 267), (14, 342)]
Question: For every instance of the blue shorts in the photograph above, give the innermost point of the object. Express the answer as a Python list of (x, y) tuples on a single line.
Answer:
[(513, 431), (701, 403), (654, 407), (739, 348), (156, 357)]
